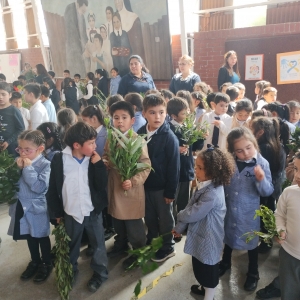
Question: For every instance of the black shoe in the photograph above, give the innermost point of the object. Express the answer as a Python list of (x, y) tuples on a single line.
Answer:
[(162, 255), (75, 276), (94, 283), (42, 273), (30, 270), (116, 252), (109, 233), (251, 282), (89, 251), (223, 267), (195, 289), (129, 261), (177, 239), (270, 291), (264, 247)]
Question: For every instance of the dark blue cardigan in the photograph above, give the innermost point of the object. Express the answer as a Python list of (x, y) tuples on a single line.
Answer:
[(163, 149)]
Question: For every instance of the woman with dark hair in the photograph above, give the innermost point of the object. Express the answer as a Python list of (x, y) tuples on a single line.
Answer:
[(41, 73), (138, 80), (89, 98), (54, 93), (229, 72), (70, 95)]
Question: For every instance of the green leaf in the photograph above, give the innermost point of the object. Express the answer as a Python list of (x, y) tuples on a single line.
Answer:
[(137, 288)]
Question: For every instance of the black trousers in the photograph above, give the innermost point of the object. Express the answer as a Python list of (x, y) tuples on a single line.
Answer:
[(34, 245)]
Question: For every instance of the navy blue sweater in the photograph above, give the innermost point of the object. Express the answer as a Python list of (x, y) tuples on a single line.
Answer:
[(164, 155)]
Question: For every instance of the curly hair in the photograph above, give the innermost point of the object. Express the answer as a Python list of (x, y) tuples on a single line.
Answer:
[(219, 165)]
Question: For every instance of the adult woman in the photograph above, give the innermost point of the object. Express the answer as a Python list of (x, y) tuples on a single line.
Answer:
[(54, 93), (229, 72), (137, 80), (41, 72), (186, 79)]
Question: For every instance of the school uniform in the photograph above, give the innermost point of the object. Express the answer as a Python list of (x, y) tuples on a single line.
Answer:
[(297, 124), (260, 103), (139, 121), (38, 114), (199, 113), (204, 219), (26, 116), (101, 139), (70, 95), (103, 86), (50, 110), (77, 192), (114, 85), (55, 98)]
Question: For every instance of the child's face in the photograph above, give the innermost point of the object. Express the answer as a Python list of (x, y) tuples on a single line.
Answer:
[(197, 88), (29, 97), (199, 170), (122, 120), (221, 108), (66, 75), (155, 116), (17, 103), (270, 97), (108, 15), (4, 99), (195, 103), (297, 171), (243, 115), (97, 43), (113, 73), (103, 33), (93, 121), (244, 149), (86, 149), (241, 94), (28, 149), (76, 79), (116, 23), (180, 117), (294, 115), (91, 22), (256, 90), (46, 85)]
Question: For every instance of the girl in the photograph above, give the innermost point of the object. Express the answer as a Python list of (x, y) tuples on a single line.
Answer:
[(89, 98), (259, 88), (70, 95), (266, 131), (187, 96), (243, 112), (54, 93), (269, 95), (53, 143), (294, 107), (100, 58), (102, 83), (65, 118), (251, 180), (202, 87), (198, 104), (92, 30), (203, 217), (114, 81), (29, 215)]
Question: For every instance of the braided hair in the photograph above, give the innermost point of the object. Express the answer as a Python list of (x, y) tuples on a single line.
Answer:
[(34, 136), (51, 130)]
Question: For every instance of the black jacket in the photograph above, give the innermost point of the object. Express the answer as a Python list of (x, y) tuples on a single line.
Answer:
[(55, 98), (164, 155), (223, 76), (71, 99), (103, 86), (97, 175)]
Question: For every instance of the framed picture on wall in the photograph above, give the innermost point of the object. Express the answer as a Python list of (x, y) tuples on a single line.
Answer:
[(288, 67), (254, 65)]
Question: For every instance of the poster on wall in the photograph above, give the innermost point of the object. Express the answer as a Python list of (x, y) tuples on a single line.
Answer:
[(10, 65), (288, 67), (86, 35), (254, 67)]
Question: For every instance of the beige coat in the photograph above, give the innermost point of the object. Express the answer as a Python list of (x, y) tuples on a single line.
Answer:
[(132, 206)]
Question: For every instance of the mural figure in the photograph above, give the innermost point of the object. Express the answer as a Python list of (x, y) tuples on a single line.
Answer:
[(92, 30), (106, 48), (109, 14)]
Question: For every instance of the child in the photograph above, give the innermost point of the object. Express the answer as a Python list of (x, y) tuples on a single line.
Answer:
[(233, 93), (114, 81), (52, 76), (136, 100), (16, 100), (167, 96), (224, 87), (127, 211), (161, 185), (22, 79), (219, 122), (54, 93), (210, 101), (243, 112), (269, 96), (202, 87), (187, 96), (65, 118), (29, 215), (287, 221), (242, 90), (294, 107), (11, 121), (204, 217), (259, 88), (77, 193), (78, 83), (198, 104), (177, 110), (251, 180), (48, 104), (102, 86), (53, 143), (38, 112), (70, 95)]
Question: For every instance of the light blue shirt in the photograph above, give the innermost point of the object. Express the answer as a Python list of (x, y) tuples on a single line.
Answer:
[(114, 85), (235, 78), (50, 110), (139, 121)]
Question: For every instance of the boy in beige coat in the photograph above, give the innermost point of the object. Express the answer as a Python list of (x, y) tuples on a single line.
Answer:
[(127, 211)]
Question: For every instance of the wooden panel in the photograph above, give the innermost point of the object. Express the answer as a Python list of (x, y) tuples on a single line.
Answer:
[(216, 21), (207, 4), (30, 21), (8, 25), (284, 13)]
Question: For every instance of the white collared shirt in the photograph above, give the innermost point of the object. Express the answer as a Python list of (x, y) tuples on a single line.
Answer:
[(38, 114), (116, 32), (175, 123), (76, 193), (203, 184), (98, 129), (150, 133)]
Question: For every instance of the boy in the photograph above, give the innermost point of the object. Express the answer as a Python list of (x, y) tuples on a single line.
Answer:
[(66, 74), (128, 211), (269, 96), (38, 112), (16, 101), (22, 79), (77, 193), (77, 82), (52, 76), (219, 122), (242, 90), (136, 100), (161, 185), (177, 110), (11, 121), (114, 81), (294, 107), (233, 93), (47, 102)]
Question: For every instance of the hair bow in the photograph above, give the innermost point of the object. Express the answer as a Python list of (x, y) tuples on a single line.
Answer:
[(211, 147)]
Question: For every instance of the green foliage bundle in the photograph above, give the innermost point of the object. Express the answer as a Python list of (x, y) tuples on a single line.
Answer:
[(295, 141), (9, 176), (268, 219), (192, 132), (102, 99), (63, 267)]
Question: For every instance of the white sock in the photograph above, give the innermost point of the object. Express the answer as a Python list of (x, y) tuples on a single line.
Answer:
[(209, 293)]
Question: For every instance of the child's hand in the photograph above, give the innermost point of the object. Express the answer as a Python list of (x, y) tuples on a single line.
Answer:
[(216, 123), (259, 173), (183, 150), (3, 146), (58, 220), (126, 185), (95, 157), (20, 162), (27, 162), (282, 238), (168, 200), (176, 234)]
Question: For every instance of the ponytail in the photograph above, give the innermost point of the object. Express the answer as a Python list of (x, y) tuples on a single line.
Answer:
[(51, 130), (94, 110)]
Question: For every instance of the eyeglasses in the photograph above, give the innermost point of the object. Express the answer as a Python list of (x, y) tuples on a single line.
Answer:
[(182, 64), (25, 150)]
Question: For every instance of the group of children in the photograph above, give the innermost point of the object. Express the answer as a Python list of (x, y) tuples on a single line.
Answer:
[(240, 167)]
